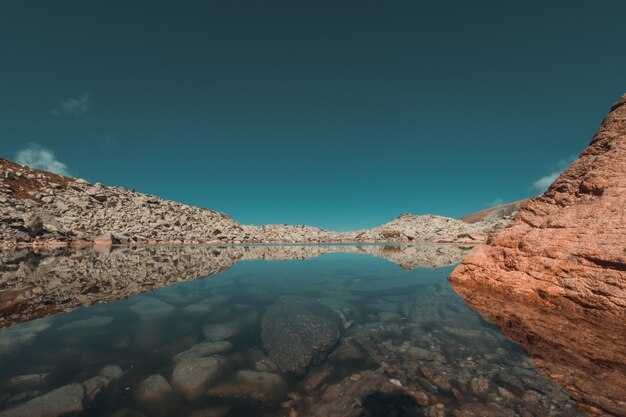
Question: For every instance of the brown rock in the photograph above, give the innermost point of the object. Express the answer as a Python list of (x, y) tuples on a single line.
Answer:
[(554, 280)]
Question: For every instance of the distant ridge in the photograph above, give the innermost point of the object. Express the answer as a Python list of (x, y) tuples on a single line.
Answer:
[(41, 209), (502, 211)]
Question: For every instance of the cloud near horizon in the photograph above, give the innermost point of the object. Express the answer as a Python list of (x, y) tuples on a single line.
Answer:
[(73, 106), (36, 156), (496, 202), (543, 183)]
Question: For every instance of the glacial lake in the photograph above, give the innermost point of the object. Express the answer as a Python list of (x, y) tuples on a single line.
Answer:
[(343, 330)]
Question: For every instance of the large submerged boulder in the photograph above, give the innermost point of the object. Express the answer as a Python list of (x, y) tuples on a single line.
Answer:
[(298, 332)]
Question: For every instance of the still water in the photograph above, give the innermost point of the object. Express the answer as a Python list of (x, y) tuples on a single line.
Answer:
[(337, 331)]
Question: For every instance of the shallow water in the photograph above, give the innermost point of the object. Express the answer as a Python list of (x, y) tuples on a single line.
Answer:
[(408, 346)]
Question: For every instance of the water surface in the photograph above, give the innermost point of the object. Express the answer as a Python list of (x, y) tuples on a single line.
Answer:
[(407, 344)]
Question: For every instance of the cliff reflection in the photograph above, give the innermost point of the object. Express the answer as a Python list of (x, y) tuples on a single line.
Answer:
[(580, 350)]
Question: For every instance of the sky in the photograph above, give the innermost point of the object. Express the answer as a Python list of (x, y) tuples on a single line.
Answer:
[(340, 115)]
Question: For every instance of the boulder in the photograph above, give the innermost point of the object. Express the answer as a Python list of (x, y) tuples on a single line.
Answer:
[(257, 388), (61, 401), (154, 395), (203, 349), (192, 376), (298, 332), (151, 308)]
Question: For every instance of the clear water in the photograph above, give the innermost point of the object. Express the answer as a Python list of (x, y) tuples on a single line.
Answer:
[(409, 346)]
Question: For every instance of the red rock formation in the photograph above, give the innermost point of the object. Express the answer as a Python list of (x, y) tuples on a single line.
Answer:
[(564, 254)]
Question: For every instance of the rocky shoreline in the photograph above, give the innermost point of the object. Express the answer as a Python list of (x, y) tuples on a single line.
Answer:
[(39, 209)]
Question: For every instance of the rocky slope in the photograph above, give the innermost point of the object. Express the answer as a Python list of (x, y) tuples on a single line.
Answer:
[(42, 209), (565, 250)]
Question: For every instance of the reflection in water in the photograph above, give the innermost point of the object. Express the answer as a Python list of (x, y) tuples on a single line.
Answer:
[(580, 350), (336, 336), (35, 284)]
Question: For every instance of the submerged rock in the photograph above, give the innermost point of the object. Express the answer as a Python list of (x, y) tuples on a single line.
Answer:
[(298, 332), (90, 323), (61, 401), (260, 388), (155, 396), (203, 349), (152, 309), (192, 376)]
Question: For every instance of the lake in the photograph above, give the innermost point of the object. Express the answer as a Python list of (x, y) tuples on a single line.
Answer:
[(192, 331)]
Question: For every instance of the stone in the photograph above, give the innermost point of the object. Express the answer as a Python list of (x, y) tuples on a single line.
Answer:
[(221, 331), (150, 309), (483, 410), (94, 321), (317, 376), (105, 239), (93, 386), (33, 223), (28, 381), (298, 332), (153, 394), (259, 388), (217, 411), (199, 309), (192, 376), (203, 349), (111, 372), (61, 401)]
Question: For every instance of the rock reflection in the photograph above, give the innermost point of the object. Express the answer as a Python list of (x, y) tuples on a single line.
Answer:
[(37, 284), (580, 350)]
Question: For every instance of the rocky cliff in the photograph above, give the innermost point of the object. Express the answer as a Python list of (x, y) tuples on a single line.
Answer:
[(42, 209), (564, 252)]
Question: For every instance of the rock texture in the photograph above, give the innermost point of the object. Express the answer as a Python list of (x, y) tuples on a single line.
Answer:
[(298, 332), (42, 209), (584, 354), (566, 250)]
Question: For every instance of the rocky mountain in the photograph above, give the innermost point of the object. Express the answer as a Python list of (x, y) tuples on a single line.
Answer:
[(42, 209), (565, 252)]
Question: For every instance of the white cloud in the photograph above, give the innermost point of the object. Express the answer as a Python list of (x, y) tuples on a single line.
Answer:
[(495, 203), (73, 106), (543, 183), (36, 156)]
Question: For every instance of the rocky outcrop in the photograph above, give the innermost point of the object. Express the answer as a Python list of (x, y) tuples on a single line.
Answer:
[(565, 251), (566, 248), (42, 209)]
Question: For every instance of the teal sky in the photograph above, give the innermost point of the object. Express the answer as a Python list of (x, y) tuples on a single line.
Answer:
[(309, 112)]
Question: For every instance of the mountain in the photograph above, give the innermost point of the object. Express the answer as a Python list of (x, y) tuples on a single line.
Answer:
[(43, 209)]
